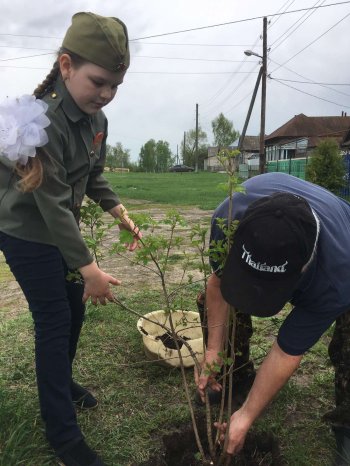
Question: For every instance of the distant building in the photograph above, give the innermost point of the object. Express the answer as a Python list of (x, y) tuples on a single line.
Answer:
[(211, 163), (249, 150), (300, 135)]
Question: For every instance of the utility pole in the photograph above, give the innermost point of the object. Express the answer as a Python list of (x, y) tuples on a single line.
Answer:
[(177, 154), (184, 148), (261, 77), (196, 152), (241, 139), (262, 155)]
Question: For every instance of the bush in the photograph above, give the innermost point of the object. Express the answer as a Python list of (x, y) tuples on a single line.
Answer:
[(326, 166)]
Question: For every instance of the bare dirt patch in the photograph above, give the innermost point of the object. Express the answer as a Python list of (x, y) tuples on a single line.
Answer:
[(13, 302), (139, 277)]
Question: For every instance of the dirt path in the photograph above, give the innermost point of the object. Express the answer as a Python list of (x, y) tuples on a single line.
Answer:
[(12, 301)]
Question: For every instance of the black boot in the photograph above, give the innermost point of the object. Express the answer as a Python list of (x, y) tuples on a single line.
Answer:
[(342, 438), (82, 398), (78, 453)]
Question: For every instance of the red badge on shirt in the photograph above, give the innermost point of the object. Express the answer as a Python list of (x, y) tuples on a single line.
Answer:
[(97, 141)]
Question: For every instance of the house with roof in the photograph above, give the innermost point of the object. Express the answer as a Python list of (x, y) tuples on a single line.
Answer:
[(249, 151), (250, 147), (300, 135)]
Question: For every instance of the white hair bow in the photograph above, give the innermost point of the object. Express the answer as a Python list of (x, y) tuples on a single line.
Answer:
[(22, 123)]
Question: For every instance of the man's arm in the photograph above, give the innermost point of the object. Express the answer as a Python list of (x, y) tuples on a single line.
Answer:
[(273, 374), (217, 310)]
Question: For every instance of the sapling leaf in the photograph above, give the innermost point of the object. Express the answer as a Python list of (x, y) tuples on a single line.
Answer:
[(222, 187), (74, 276), (125, 236), (91, 242)]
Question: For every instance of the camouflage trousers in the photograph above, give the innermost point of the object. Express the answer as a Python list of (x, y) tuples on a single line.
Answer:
[(339, 353), (243, 367)]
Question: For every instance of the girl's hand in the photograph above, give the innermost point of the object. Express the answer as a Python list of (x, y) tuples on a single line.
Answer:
[(97, 284), (127, 224)]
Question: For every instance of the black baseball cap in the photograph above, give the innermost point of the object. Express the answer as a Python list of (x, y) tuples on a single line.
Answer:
[(274, 240)]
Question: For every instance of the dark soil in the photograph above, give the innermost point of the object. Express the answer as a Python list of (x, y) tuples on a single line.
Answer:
[(180, 449), (169, 342)]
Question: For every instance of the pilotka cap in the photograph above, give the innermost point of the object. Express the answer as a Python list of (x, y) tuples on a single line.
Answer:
[(274, 240), (99, 39)]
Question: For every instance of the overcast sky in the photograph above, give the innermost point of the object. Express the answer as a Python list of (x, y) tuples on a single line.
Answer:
[(170, 73)]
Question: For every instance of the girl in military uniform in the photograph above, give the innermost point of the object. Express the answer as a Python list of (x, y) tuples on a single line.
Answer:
[(41, 192)]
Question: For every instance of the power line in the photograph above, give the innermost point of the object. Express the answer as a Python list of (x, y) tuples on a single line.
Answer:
[(145, 72), (279, 17), (238, 103), (311, 82), (312, 42), (225, 86), (24, 67), (143, 43), (224, 101), (200, 27), (28, 56), (307, 14), (237, 21), (25, 48), (311, 95), (28, 35), (194, 45), (188, 72), (193, 59)]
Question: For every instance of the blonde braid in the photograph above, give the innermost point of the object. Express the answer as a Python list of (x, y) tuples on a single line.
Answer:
[(31, 174), (48, 84)]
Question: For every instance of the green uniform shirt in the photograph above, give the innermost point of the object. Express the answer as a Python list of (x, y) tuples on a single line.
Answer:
[(76, 156)]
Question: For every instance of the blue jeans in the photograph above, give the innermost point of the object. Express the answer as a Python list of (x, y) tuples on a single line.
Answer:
[(58, 313)]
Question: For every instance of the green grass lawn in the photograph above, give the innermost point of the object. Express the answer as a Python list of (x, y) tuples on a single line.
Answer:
[(139, 400), (190, 189)]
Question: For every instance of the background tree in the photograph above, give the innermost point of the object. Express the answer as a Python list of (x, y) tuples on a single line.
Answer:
[(117, 156), (147, 158), (189, 152), (326, 166), (110, 159), (224, 132), (155, 156), (164, 157)]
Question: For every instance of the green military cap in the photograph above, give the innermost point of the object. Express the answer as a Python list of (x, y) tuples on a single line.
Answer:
[(99, 39)]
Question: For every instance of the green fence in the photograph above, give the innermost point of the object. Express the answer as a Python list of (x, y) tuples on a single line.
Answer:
[(295, 167)]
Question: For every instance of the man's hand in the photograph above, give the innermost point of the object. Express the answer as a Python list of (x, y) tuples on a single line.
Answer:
[(238, 430), (273, 374), (207, 378), (217, 310)]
